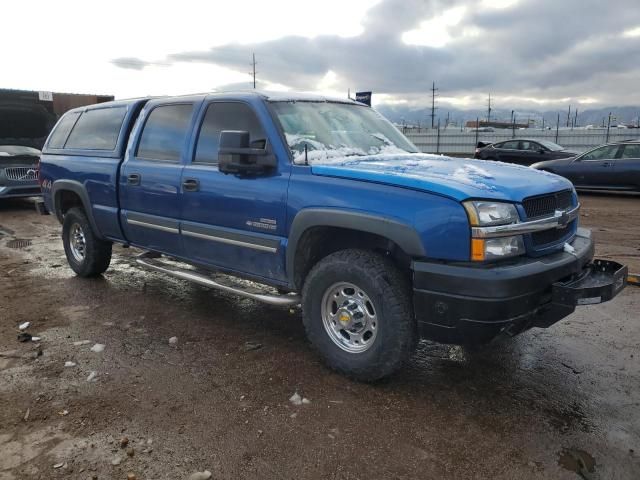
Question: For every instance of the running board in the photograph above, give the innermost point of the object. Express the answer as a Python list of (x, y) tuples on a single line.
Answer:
[(151, 261)]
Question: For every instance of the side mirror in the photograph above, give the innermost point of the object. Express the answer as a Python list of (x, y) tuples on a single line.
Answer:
[(237, 156)]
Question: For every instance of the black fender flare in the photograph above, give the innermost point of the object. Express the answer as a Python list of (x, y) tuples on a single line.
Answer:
[(403, 235), (80, 190)]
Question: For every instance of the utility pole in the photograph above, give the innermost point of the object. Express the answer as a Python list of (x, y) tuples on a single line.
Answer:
[(433, 104), (568, 115), (575, 118), (608, 127), (447, 122), (557, 126), (253, 71), (542, 122), (489, 109), (349, 93)]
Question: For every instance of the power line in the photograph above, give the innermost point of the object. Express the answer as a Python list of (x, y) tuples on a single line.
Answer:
[(433, 104), (253, 70)]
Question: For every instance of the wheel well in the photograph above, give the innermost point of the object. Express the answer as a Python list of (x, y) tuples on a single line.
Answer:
[(319, 242), (65, 200)]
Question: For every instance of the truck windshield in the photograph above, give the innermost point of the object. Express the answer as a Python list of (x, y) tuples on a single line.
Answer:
[(331, 131)]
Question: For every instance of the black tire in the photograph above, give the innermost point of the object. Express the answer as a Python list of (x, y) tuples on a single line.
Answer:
[(389, 291), (97, 253)]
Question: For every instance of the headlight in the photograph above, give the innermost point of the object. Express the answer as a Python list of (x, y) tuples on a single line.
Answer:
[(488, 214), (484, 214), (496, 248)]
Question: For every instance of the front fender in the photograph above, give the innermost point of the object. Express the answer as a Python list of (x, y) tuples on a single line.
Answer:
[(401, 234)]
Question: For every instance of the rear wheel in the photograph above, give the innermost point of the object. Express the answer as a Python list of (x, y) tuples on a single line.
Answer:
[(358, 314), (87, 255)]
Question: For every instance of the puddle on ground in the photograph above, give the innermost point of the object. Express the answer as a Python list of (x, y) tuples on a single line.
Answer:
[(578, 461)]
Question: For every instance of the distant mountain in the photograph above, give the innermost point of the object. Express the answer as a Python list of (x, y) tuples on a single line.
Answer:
[(422, 116)]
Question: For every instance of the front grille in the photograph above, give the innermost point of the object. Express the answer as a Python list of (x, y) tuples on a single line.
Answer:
[(546, 205), (26, 174), (553, 235)]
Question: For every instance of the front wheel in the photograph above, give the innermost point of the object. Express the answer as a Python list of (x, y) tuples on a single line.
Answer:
[(358, 315), (87, 255)]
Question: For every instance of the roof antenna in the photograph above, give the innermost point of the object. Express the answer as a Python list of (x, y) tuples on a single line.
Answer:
[(306, 159)]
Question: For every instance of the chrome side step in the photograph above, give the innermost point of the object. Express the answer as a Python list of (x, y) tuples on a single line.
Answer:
[(151, 261)]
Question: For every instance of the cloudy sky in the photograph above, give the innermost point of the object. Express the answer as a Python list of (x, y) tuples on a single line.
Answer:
[(527, 53)]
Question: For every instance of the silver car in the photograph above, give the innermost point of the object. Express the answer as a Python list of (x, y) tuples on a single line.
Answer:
[(19, 171)]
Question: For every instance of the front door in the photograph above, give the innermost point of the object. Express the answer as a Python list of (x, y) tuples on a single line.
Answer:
[(596, 168), (150, 180), (234, 222), (627, 167)]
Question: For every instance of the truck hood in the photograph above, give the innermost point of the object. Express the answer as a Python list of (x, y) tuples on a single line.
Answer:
[(458, 178)]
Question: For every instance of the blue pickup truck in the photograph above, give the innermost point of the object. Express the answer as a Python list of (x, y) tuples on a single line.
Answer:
[(322, 203)]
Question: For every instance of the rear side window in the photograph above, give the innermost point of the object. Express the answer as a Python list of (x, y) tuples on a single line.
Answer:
[(59, 135), (226, 116), (164, 133), (97, 129), (511, 145), (631, 151)]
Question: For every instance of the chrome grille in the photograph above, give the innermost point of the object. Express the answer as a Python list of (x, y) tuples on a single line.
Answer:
[(554, 235), (26, 174), (546, 205)]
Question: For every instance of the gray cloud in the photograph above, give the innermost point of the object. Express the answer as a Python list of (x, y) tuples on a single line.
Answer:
[(130, 63), (543, 49)]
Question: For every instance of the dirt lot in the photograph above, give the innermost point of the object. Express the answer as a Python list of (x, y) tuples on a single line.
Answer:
[(546, 404)]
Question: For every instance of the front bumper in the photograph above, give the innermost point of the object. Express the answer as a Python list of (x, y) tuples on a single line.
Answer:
[(28, 189), (465, 304)]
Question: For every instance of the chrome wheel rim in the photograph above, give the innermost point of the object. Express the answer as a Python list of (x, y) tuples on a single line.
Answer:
[(77, 242), (349, 317)]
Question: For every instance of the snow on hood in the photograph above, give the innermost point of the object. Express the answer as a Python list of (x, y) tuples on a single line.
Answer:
[(458, 178)]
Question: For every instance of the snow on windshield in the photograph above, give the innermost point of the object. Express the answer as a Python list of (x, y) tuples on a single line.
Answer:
[(319, 153), (322, 132)]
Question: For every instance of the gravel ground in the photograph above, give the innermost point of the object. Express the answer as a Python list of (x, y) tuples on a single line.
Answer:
[(557, 403)]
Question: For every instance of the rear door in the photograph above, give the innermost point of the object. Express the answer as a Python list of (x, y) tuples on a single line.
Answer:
[(236, 222), (508, 152), (531, 152), (595, 168), (627, 167), (150, 177)]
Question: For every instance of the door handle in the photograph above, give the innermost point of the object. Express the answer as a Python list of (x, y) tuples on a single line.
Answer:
[(134, 179), (191, 185), (606, 164)]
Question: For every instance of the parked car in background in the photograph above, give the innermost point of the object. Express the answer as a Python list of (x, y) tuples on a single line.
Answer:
[(523, 151), (18, 171), (615, 166)]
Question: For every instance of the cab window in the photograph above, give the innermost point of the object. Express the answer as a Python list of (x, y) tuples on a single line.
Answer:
[(226, 116), (165, 132)]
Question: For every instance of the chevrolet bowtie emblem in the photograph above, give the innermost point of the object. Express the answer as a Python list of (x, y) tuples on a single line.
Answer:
[(562, 217)]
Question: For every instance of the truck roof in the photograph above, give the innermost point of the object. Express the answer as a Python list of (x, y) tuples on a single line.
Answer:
[(267, 95)]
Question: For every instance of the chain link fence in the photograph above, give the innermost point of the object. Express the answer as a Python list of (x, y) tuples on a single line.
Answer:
[(452, 141)]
